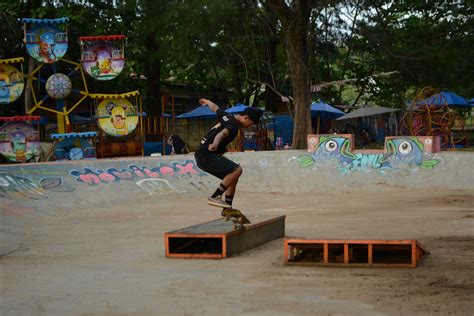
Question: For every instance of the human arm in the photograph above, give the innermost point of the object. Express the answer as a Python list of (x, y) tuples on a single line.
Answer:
[(219, 137), (214, 107)]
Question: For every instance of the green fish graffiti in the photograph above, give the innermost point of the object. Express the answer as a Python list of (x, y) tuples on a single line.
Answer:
[(403, 150)]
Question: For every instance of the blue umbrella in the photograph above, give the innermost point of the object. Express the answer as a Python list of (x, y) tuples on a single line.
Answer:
[(324, 111), (448, 98), (199, 112), (238, 108), (471, 102)]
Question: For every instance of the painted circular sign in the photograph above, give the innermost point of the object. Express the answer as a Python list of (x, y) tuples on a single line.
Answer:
[(46, 44), (58, 86), (11, 84), (117, 117), (103, 60), (19, 142)]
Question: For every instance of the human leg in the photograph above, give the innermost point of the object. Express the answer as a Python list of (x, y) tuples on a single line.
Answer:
[(228, 185), (232, 179), (224, 169)]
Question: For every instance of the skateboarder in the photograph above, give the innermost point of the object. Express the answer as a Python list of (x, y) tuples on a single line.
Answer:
[(209, 156)]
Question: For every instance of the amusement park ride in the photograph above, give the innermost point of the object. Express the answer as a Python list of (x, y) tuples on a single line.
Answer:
[(430, 115), (59, 89), (117, 124)]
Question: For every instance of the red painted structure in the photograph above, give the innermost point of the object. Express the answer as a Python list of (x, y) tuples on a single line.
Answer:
[(102, 38), (354, 253), (219, 239), (19, 118)]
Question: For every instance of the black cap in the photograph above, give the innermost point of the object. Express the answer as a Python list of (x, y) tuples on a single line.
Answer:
[(253, 113)]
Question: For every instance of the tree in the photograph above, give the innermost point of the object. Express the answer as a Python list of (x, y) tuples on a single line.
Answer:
[(428, 43), (284, 45), (220, 43), (294, 18)]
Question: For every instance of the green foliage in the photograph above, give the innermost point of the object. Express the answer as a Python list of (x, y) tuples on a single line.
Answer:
[(427, 42), (238, 45)]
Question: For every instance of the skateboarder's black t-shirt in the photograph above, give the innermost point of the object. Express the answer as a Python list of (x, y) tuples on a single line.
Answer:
[(226, 120)]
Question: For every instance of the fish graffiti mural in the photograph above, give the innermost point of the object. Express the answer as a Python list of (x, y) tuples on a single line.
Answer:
[(15, 186), (400, 151), (407, 150)]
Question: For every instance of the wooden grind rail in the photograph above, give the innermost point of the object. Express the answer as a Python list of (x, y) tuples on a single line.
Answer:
[(294, 247), (219, 239)]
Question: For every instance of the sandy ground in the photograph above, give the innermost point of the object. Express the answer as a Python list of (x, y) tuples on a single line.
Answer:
[(110, 260)]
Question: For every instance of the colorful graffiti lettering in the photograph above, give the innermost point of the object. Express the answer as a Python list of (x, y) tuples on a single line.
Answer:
[(132, 172), (12, 185), (366, 161), (399, 152)]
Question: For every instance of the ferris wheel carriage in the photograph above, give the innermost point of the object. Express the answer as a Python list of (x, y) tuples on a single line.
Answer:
[(119, 118), (46, 40), (11, 80), (74, 146), (19, 141), (103, 57)]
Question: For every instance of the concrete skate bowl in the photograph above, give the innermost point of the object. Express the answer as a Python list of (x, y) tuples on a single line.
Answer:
[(32, 193)]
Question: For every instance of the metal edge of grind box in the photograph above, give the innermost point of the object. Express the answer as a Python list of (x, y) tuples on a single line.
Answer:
[(364, 253), (218, 239)]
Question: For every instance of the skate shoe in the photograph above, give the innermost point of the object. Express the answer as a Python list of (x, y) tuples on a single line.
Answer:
[(217, 201)]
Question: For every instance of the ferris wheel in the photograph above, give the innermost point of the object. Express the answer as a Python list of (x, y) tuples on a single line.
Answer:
[(59, 86)]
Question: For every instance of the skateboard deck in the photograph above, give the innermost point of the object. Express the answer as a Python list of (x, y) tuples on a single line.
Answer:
[(236, 217)]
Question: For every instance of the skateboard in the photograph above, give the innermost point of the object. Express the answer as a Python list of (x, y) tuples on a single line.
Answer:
[(236, 217)]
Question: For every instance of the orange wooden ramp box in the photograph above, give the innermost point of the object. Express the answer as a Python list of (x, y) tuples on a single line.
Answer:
[(354, 253), (218, 239)]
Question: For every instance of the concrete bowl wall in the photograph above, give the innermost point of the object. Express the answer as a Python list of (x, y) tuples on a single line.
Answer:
[(32, 192)]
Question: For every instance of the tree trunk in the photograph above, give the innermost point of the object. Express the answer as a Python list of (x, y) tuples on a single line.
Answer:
[(153, 63), (153, 80), (295, 22), (297, 50), (272, 100)]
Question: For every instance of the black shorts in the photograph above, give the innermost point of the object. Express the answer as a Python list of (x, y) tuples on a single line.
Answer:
[(215, 164)]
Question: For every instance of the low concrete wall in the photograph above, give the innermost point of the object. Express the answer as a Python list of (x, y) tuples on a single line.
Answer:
[(31, 191)]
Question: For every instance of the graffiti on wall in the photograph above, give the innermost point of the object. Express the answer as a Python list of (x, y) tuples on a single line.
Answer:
[(157, 186), (12, 186), (402, 151), (133, 172)]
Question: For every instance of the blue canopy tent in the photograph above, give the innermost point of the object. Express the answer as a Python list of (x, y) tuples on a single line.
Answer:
[(448, 98), (205, 112), (324, 111), (238, 108), (199, 112)]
